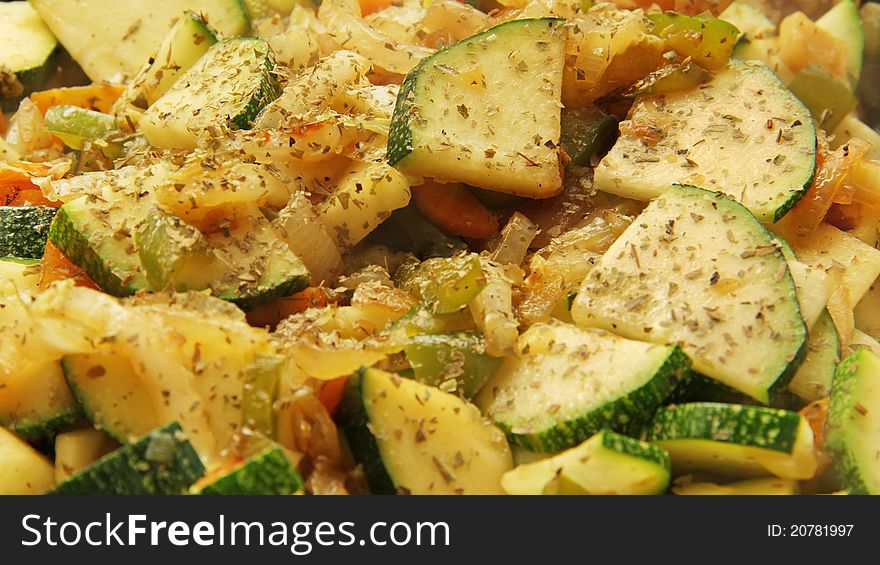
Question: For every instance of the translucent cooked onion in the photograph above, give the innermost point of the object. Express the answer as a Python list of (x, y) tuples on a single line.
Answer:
[(344, 24)]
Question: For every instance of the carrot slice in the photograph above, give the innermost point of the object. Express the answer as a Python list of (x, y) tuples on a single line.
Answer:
[(272, 312), (57, 267), (99, 97), (16, 188), (370, 6), (331, 393), (455, 210)]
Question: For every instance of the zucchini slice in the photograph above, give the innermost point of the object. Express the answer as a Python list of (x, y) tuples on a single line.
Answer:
[(162, 462), (24, 469), (852, 437), (36, 403), (112, 40), (266, 472), (733, 440), (844, 22), (813, 379), (567, 384), (698, 270), (112, 395), (185, 43), (25, 274), (607, 463), (226, 88), (743, 134), (416, 439), (457, 119), (28, 45), (24, 229)]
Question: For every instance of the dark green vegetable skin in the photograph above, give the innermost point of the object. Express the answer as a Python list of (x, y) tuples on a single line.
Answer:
[(267, 472), (24, 229), (162, 462)]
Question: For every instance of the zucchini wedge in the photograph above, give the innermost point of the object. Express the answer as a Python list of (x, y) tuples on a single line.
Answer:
[(607, 463), (852, 439), (225, 89), (813, 379), (27, 47), (36, 403), (24, 229), (698, 270), (732, 440), (457, 119), (416, 439), (567, 384), (112, 40), (743, 134), (266, 472), (162, 462)]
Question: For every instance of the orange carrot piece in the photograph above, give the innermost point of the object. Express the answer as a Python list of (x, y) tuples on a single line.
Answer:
[(370, 6), (16, 188), (331, 393), (57, 267), (455, 210), (272, 312), (99, 97)]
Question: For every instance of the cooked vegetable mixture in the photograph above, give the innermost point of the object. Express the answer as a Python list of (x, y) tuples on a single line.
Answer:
[(439, 247)]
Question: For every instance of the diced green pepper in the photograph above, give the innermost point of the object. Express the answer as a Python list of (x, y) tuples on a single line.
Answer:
[(671, 78), (708, 41), (455, 363), (421, 321), (587, 132), (74, 125), (446, 285), (260, 389), (827, 98)]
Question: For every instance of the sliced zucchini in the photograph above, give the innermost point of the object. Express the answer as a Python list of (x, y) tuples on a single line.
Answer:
[(458, 120), (416, 439), (267, 472), (607, 463), (27, 47), (698, 270), (851, 435), (24, 229), (844, 22), (113, 397), (112, 41), (586, 133), (162, 462), (743, 134), (774, 486), (813, 379), (567, 384), (828, 98), (84, 231), (226, 88), (77, 449), (36, 403), (733, 440), (185, 43), (24, 469)]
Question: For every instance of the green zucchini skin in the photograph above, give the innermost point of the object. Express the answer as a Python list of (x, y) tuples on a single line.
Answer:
[(162, 462), (753, 426), (24, 230), (625, 415), (267, 472), (851, 439), (355, 422)]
